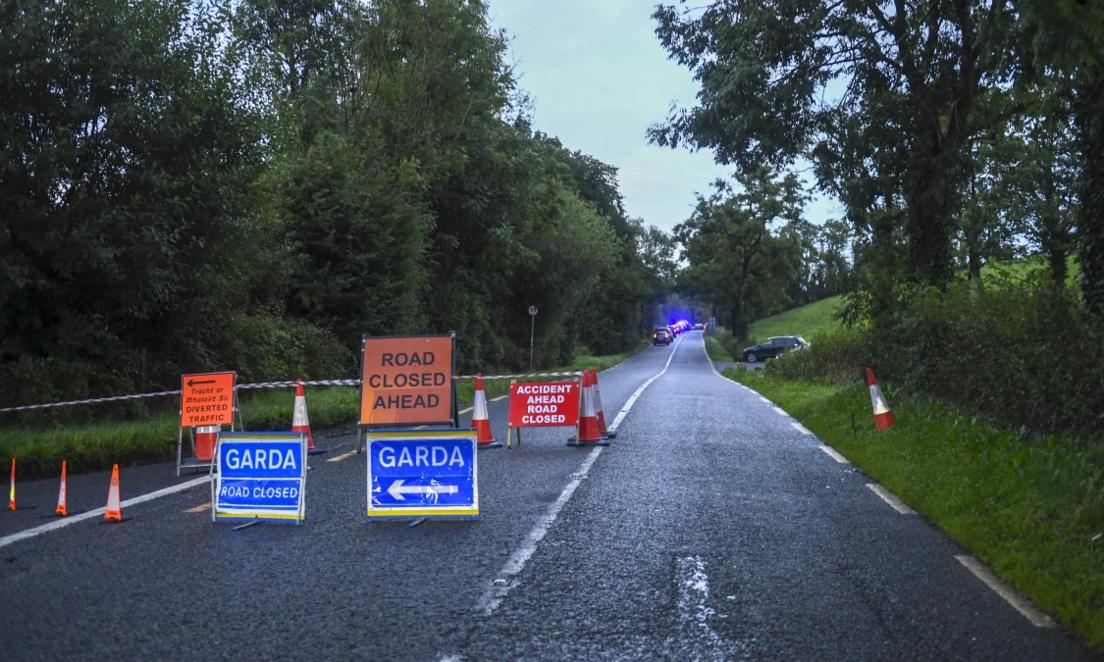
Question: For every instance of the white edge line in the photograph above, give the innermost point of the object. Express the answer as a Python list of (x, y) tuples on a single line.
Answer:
[(1010, 595), (495, 592), (780, 411), (891, 499), (834, 455), (765, 400), (802, 429), (73, 519)]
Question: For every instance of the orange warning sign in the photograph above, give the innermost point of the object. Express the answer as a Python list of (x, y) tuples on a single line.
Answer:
[(407, 380), (207, 399)]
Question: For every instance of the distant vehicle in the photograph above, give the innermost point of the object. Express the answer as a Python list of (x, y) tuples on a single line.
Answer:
[(662, 335), (772, 347), (698, 326)]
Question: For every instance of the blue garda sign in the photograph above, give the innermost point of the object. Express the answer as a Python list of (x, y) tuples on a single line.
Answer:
[(414, 474), (260, 476)]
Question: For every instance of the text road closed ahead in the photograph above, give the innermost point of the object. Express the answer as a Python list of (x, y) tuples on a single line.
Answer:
[(423, 473), (407, 381)]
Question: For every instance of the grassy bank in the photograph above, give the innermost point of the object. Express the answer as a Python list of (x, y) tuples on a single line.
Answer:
[(94, 446), (1033, 509), (807, 321)]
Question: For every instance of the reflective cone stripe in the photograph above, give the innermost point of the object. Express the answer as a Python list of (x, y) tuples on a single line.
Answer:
[(11, 490), (299, 420), (598, 403), (883, 417), (62, 505), (114, 509), (589, 431), (481, 419)]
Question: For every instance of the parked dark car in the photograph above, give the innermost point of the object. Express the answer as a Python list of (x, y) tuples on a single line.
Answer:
[(772, 347), (662, 335)]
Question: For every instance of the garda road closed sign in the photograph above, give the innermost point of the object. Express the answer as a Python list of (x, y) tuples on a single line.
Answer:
[(407, 381), (207, 399), (544, 404), (422, 474), (260, 476)]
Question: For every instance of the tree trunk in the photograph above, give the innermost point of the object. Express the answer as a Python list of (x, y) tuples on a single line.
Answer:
[(1052, 235), (930, 194), (1090, 125)]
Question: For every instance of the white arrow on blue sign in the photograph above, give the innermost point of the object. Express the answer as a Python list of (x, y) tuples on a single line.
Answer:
[(422, 474)]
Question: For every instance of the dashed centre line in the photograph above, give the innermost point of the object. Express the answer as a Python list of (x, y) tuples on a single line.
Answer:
[(200, 508), (343, 456)]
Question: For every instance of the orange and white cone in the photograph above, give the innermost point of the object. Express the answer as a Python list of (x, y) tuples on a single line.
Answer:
[(606, 432), (63, 487), (481, 419), (206, 437), (299, 420), (114, 509), (590, 433), (11, 490), (883, 417)]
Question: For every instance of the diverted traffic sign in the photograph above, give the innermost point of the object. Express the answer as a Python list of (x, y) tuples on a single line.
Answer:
[(260, 476), (207, 399), (407, 381), (544, 404), (423, 474)]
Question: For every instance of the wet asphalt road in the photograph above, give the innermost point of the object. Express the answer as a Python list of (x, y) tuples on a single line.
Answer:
[(711, 528)]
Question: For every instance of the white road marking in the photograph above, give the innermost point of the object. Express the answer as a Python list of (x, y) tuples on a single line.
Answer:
[(501, 397), (693, 603), (780, 411), (1010, 595), (73, 519), (765, 400), (834, 455), (891, 499), (200, 508), (801, 428), (506, 580), (462, 411), (343, 456)]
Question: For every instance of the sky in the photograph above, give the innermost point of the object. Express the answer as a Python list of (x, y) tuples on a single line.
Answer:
[(598, 78)]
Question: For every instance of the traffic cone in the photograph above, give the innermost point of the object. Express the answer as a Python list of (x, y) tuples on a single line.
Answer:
[(62, 504), (206, 437), (606, 433), (11, 491), (589, 432), (883, 417), (299, 420), (114, 509), (481, 419)]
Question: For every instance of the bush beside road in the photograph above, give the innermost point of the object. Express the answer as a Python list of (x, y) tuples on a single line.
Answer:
[(1031, 508)]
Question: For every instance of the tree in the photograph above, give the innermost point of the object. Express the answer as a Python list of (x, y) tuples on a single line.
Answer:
[(769, 72), (732, 245)]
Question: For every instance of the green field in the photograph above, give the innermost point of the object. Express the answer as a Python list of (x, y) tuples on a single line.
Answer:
[(807, 321), (1032, 509)]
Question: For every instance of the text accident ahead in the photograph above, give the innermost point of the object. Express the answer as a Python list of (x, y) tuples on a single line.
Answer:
[(407, 381), (544, 404), (207, 399)]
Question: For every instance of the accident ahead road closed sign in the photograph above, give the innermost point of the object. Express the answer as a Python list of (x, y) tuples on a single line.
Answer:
[(407, 380), (544, 404), (207, 399)]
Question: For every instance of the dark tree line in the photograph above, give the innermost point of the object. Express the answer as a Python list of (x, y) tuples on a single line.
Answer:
[(954, 132), (253, 184)]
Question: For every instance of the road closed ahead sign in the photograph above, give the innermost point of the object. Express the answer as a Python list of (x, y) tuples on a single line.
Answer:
[(407, 381), (207, 399)]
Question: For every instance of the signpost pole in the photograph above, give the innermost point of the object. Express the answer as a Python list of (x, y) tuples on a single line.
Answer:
[(532, 327)]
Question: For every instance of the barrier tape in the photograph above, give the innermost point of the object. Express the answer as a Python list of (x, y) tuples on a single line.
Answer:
[(527, 375), (259, 385)]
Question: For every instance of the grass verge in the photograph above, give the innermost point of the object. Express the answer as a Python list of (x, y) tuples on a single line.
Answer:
[(716, 349), (93, 446), (1032, 509)]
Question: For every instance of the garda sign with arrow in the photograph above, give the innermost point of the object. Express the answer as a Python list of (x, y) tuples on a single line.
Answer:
[(260, 476), (422, 474)]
